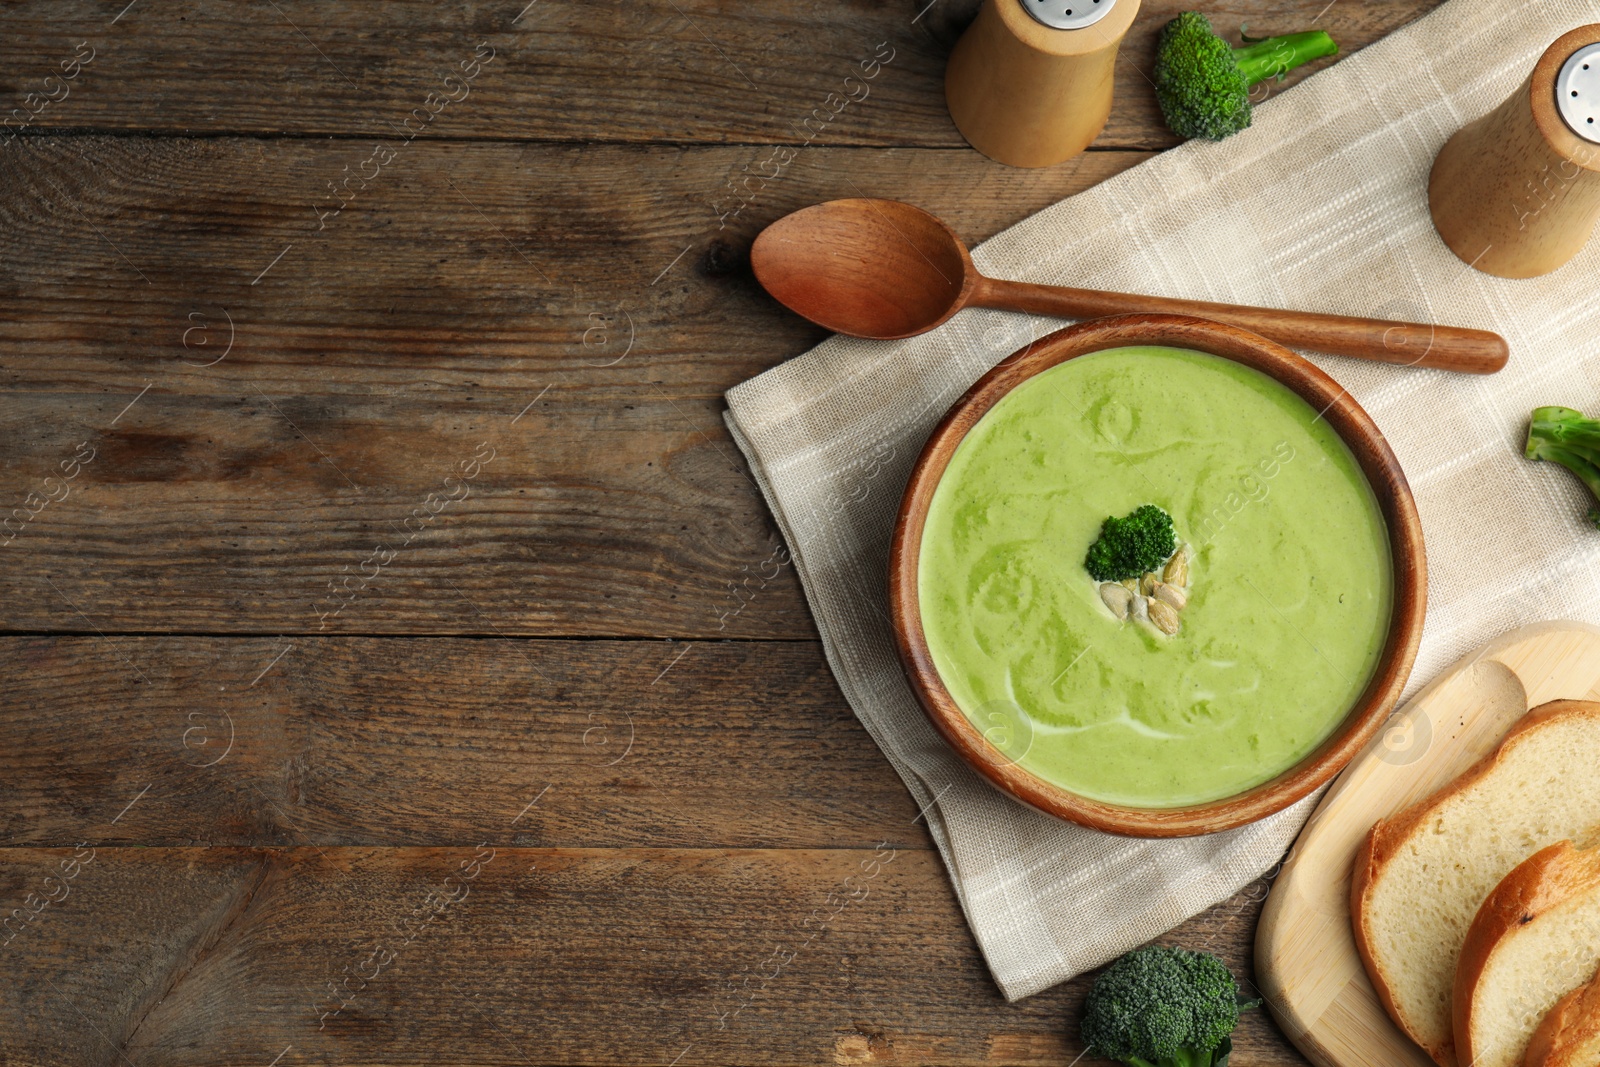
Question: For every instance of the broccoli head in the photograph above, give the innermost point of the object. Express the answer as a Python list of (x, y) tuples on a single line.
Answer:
[(1203, 85), (1163, 1007), (1572, 439), (1127, 547)]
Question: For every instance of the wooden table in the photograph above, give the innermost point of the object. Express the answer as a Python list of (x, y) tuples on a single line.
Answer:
[(397, 669)]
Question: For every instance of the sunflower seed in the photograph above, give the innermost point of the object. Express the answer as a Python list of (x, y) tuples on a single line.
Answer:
[(1177, 569), (1165, 617), (1171, 594), (1117, 598), (1140, 608), (1147, 584)]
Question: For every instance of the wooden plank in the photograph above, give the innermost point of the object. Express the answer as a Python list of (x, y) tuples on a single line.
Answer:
[(384, 351), (301, 515), (526, 956), (696, 71), (433, 741)]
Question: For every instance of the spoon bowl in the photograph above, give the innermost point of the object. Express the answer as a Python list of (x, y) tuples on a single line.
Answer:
[(867, 268), (887, 270)]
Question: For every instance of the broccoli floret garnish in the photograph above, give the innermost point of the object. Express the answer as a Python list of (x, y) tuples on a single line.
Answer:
[(1164, 1007), (1132, 545), (1203, 85), (1572, 439)]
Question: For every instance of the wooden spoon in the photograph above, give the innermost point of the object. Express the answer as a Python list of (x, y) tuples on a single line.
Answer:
[(884, 269)]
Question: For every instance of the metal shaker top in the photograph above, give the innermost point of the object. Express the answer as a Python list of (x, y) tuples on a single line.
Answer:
[(1073, 14), (1577, 91)]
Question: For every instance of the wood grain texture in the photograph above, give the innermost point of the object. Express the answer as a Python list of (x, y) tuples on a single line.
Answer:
[(433, 741), (189, 956), (577, 220), (1030, 95), (380, 353), (909, 273), (1306, 954), (462, 266), (1516, 193), (696, 71), (1411, 344)]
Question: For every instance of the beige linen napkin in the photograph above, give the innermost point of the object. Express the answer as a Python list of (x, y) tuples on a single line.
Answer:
[(1321, 204)]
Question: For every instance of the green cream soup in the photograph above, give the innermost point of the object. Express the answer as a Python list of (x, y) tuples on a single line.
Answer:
[(1289, 590)]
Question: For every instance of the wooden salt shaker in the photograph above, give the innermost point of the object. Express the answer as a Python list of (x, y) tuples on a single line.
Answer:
[(1517, 193), (1029, 83)]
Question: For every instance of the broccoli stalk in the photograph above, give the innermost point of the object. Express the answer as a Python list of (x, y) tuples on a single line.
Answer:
[(1164, 1007), (1128, 547), (1203, 85), (1572, 439)]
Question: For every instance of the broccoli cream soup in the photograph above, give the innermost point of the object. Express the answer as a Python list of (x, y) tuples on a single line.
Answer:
[(1280, 619)]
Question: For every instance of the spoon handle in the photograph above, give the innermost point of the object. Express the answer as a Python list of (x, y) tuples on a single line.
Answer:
[(1412, 344)]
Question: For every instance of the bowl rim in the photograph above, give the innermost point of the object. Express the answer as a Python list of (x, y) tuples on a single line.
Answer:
[(1378, 463)]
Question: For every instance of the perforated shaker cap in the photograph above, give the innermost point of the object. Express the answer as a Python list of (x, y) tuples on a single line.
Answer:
[(1578, 92), (1068, 14)]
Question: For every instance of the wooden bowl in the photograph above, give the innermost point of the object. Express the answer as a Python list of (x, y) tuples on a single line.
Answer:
[(1371, 452)]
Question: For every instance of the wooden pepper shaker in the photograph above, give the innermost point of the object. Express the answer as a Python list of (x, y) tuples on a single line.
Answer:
[(1517, 193), (1029, 83)]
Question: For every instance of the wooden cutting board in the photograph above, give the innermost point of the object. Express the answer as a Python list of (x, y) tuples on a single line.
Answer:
[(1306, 961)]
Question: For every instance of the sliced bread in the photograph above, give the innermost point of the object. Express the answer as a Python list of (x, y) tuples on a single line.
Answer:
[(1570, 1033), (1536, 939), (1421, 875)]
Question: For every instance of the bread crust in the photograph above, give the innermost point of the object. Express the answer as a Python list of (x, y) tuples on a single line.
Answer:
[(1542, 1046), (1387, 836), (1574, 1021), (1365, 874), (1547, 879)]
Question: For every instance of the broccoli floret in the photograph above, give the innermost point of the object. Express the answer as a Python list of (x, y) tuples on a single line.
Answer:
[(1131, 545), (1572, 439), (1203, 85), (1164, 1007)]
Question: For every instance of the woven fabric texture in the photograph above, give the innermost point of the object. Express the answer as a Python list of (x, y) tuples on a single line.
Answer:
[(1322, 204)]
